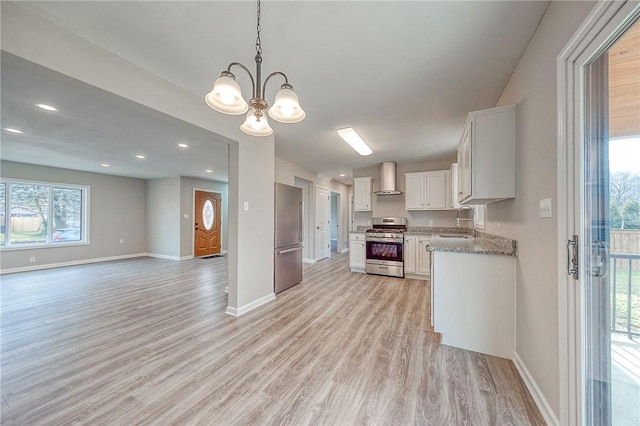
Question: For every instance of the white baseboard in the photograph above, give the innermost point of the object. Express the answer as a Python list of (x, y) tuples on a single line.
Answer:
[(236, 312), (163, 256), (307, 260), (345, 250), (190, 256), (542, 403), (70, 263)]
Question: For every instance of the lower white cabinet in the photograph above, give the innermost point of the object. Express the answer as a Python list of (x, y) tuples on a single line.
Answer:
[(417, 260), (357, 252), (473, 301)]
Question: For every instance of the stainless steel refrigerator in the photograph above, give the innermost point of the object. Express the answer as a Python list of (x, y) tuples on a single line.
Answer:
[(288, 237)]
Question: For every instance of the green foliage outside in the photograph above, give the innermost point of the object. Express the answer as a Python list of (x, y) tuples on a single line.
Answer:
[(624, 200), (28, 200)]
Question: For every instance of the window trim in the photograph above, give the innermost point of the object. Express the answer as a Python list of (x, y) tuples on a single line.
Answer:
[(84, 215)]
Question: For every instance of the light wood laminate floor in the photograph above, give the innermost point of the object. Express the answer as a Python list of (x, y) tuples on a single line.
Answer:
[(146, 341)]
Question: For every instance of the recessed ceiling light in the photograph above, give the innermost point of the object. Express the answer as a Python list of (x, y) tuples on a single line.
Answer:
[(140, 157), (46, 107), (183, 145), (352, 138), (12, 130), (209, 171), (105, 165), (342, 175)]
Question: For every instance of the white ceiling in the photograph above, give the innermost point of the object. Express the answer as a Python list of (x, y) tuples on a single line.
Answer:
[(403, 74)]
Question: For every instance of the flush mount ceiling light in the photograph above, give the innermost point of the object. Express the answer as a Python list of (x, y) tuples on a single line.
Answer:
[(183, 145), (12, 130), (352, 138), (225, 97), (140, 156), (47, 107)]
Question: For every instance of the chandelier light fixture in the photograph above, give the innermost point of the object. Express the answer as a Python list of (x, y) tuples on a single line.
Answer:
[(226, 97)]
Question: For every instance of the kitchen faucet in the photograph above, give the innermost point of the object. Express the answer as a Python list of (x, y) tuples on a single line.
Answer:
[(458, 210)]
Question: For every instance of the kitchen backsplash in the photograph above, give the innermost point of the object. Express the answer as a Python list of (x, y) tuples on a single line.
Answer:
[(446, 218)]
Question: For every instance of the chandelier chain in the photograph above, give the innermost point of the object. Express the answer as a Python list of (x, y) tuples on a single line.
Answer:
[(258, 28)]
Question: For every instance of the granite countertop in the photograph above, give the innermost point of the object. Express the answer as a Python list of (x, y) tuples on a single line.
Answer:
[(461, 240), (477, 243)]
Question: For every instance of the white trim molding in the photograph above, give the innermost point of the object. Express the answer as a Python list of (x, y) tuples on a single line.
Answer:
[(70, 263), (165, 256), (604, 24), (308, 260), (534, 390), (236, 312)]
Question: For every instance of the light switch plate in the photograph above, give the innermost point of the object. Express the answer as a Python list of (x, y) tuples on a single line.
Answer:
[(545, 207), (246, 206)]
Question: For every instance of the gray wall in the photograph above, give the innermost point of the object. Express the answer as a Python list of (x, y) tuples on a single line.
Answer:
[(393, 205), (117, 208), (163, 217), (187, 187), (533, 86), (292, 174)]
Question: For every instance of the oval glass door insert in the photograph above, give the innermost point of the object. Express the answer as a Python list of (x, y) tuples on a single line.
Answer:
[(208, 215)]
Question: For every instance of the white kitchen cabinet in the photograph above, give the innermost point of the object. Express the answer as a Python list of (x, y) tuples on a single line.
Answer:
[(424, 256), (417, 260), (453, 188), (486, 156), (410, 250), (473, 307), (357, 252), (426, 190), (415, 196), (362, 194)]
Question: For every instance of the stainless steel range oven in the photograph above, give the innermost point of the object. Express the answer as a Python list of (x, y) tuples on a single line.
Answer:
[(385, 242)]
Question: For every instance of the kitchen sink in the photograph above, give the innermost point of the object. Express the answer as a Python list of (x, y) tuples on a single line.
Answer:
[(461, 236)]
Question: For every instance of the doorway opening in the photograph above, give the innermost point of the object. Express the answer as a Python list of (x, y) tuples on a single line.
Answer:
[(335, 223)]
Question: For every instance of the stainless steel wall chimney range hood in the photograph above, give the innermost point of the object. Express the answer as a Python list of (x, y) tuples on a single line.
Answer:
[(388, 179)]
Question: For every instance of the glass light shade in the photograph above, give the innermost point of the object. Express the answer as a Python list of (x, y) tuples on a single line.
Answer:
[(286, 108), (226, 97), (254, 126), (351, 137)]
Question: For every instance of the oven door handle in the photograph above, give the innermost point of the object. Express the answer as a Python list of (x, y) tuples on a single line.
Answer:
[(384, 240)]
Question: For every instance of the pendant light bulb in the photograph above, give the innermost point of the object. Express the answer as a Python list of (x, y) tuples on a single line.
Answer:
[(256, 124), (226, 96), (286, 107)]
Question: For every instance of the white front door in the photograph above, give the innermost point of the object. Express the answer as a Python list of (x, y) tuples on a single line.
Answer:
[(323, 220)]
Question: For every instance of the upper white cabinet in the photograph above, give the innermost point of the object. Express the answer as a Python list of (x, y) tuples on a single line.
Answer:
[(427, 190), (362, 194), (453, 190), (486, 156)]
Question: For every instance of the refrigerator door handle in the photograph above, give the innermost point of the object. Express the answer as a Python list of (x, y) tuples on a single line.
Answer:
[(289, 250), (300, 233)]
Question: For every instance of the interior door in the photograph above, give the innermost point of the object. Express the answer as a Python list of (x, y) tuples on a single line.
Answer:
[(207, 223), (323, 220)]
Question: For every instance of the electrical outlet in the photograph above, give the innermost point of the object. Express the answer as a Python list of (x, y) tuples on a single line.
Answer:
[(430, 223), (32, 259), (246, 206), (121, 240)]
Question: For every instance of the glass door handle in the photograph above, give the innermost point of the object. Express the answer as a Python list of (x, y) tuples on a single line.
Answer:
[(572, 257), (600, 259)]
